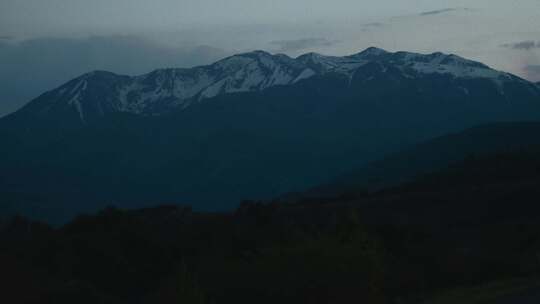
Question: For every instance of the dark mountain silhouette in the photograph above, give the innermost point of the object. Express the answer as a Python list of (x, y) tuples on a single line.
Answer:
[(454, 232), (432, 155)]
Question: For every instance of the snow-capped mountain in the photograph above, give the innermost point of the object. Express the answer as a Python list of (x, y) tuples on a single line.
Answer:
[(253, 125), (165, 90)]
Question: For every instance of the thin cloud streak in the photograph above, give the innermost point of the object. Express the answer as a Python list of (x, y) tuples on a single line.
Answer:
[(523, 45), (437, 12)]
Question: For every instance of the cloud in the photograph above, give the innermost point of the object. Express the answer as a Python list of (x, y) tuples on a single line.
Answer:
[(373, 24), (367, 27), (533, 72), (286, 46), (32, 67), (440, 11), (523, 45), (6, 40)]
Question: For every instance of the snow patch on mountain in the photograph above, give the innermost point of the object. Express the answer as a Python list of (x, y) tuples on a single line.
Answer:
[(240, 73), (307, 73), (323, 64), (439, 63), (76, 93)]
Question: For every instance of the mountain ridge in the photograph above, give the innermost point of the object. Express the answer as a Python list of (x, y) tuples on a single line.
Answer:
[(433, 155), (166, 90)]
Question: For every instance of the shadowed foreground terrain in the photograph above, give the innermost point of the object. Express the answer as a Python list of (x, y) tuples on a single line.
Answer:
[(446, 233)]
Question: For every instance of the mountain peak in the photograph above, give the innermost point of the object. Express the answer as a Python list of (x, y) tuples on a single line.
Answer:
[(242, 60), (255, 53), (99, 73), (310, 55), (373, 51)]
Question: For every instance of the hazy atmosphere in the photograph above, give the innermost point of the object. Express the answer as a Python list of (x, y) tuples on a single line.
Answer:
[(284, 151), (45, 43)]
